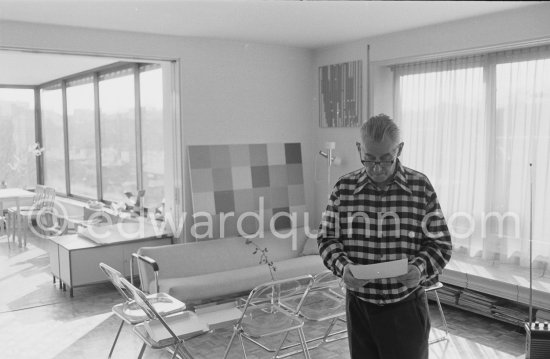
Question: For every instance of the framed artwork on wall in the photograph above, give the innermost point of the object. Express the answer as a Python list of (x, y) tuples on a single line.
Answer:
[(340, 94)]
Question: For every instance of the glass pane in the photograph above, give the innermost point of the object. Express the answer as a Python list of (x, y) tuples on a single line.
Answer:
[(81, 126), (52, 136), (118, 144), (152, 136), (17, 135)]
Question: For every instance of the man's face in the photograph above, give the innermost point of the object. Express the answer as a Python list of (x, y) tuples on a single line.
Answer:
[(377, 157)]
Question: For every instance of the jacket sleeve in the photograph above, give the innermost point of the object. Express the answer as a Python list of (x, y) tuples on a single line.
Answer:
[(436, 248), (330, 245)]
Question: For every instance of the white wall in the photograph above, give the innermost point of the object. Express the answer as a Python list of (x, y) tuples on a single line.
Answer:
[(476, 34), (231, 92)]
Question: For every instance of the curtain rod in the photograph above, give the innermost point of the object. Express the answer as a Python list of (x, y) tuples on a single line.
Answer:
[(466, 52)]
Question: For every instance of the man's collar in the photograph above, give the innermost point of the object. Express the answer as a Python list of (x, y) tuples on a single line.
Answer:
[(400, 178)]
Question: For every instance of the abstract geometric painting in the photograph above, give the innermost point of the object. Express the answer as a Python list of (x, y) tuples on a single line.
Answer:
[(340, 91), (260, 180)]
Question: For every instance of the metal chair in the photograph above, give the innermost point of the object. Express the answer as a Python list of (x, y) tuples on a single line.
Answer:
[(39, 193), (11, 218), (43, 203), (324, 302), (160, 331), (129, 312), (265, 316), (434, 289)]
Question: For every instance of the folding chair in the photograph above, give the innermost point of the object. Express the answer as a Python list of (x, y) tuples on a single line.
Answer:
[(164, 332), (434, 289), (129, 312), (264, 316), (324, 302)]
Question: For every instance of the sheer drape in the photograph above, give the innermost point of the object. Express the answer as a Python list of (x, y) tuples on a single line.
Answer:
[(441, 109), (473, 125), (523, 137)]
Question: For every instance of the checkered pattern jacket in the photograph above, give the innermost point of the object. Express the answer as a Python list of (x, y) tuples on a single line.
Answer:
[(364, 225)]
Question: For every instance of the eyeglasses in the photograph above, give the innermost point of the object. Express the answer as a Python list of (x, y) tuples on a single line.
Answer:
[(372, 164)]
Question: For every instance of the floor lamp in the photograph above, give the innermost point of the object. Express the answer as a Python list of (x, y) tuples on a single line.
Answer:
[(332, 159)]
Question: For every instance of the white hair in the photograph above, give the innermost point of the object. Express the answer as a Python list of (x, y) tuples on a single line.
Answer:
[(378, 127)]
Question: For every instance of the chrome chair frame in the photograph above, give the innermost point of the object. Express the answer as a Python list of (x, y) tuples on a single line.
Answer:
[(271, 304), (434, 289), (149, 261), (175, 343), (324, 284), (129, 312)]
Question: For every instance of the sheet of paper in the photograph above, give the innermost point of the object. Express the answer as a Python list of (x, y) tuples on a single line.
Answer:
[(380, 270)]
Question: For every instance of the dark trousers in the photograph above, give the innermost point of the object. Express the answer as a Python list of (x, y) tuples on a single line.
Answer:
[(393, 331)]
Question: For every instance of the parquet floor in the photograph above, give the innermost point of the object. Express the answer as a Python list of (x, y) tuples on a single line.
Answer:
[(37, 320)]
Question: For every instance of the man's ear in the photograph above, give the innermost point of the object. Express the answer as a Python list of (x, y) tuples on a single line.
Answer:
[(400, 148)]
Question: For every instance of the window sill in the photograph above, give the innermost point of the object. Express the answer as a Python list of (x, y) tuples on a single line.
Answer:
[(505, 281)]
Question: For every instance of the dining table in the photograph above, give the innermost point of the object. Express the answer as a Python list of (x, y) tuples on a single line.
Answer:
[(15, 197)]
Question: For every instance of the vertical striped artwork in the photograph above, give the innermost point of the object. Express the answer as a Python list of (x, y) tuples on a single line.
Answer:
[(340, 94), (264, 180)]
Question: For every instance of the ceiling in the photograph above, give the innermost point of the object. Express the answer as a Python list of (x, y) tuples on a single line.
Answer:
[(20, 68), (307, 24)]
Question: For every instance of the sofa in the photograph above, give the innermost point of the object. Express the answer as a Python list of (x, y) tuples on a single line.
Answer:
[(200, 272)]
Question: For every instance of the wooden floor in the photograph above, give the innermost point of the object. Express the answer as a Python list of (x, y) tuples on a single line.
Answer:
[(37, 320)]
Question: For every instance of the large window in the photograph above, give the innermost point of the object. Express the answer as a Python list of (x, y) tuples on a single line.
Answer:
[(81, 135), (130, 141), (51, 104), (474, 125), (17, 136)]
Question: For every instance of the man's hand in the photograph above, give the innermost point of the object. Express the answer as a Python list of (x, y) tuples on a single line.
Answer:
[(412, 278), (350, 281)]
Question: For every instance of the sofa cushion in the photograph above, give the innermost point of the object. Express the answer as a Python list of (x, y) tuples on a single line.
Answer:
[(211, 256), (201, 287)]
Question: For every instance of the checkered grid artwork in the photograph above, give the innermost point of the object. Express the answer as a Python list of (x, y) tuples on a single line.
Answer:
[(261, 184)]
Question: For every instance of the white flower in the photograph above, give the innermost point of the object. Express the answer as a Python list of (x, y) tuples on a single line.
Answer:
[(35, 149)]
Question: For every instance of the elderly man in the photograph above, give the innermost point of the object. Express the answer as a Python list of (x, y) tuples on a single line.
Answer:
[(383, 212)]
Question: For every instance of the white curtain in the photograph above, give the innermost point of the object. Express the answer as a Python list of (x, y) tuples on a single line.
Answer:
[(473, 125), (522, 127)]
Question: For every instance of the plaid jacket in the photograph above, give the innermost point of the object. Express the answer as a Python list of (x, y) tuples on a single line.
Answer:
[(363, 225)]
